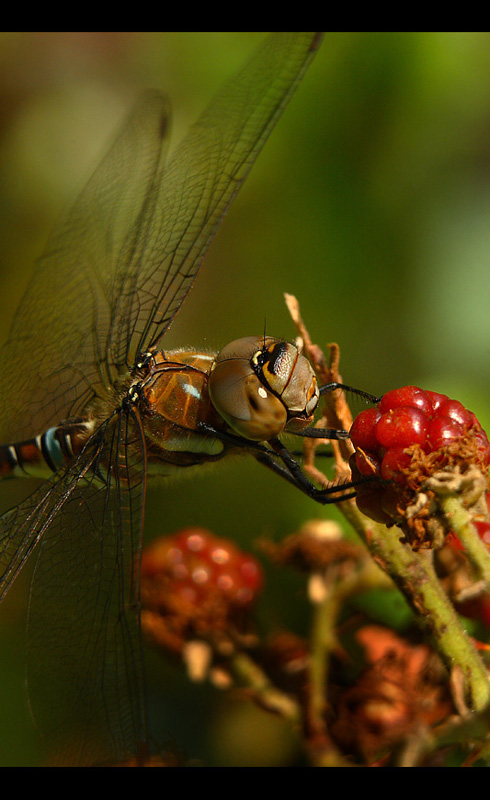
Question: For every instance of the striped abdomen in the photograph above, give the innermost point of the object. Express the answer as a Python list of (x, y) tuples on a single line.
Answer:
[(42, 455)]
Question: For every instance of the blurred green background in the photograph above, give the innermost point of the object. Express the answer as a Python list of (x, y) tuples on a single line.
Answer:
[(370, 203)]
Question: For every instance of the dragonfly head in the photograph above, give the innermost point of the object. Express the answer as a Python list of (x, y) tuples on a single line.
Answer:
[(262, 386)]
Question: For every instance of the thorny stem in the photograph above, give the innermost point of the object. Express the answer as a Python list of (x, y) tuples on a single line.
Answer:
[(415, 576), (461, 523)]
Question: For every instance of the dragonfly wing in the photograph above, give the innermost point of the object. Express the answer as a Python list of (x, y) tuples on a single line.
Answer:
[(115, 272), (55, 357), (197, 186), (22, 527), (121, 261), (85, 673)]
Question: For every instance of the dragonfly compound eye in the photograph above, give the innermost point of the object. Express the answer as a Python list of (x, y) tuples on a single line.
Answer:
[(301, 393), (240, 397), (245, 404)]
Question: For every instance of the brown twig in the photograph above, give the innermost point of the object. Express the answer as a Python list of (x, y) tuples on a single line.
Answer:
[(335, 412)]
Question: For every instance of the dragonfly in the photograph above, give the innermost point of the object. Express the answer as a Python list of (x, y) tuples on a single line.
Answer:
[(92, 404)]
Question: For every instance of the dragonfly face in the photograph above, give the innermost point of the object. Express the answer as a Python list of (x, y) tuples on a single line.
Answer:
[(262, 386), (99, 406)]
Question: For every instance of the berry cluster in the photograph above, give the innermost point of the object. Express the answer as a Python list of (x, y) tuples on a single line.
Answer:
[(196, 564), (194, 584), (407, 437)]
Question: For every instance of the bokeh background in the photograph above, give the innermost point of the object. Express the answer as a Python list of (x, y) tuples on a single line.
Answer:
[(370, 203)]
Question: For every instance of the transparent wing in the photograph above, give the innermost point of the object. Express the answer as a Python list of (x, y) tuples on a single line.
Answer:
[(197, 186), (119, 264), (54, 359), (85, 674), (115, 272)]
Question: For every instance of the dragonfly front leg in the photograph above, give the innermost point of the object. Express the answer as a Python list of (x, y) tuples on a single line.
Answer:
[(323, 433), (290, 469), (230, 438), (292, 472), (331, 387), (301, 482)]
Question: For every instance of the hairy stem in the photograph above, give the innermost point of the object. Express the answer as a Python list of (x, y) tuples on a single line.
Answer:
[(414, 575)]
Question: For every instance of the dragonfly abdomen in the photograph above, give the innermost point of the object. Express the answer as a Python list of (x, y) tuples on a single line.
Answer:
[(42, 455)]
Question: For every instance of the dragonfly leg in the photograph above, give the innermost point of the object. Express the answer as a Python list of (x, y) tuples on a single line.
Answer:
[(301, 482), (292, 472), (290, 469), (230, 438), (323, 433), (330, 387)]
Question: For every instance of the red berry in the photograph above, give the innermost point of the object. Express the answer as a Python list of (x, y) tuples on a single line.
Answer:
[(367, 464), (194, 563), (395, 460), (436, 399), (453, 541), (444, 430), (194, 542), (386, 435), (483, 529), (483, 446), (250, 572), (402, 427), (456, 411), (406, 396), (477, 608), (363, 430)]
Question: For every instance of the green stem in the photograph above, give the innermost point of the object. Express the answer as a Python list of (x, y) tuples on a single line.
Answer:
[(461, 523), (325, 616), (322, 641), (321, 750), (415, 577), (253, 677)]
